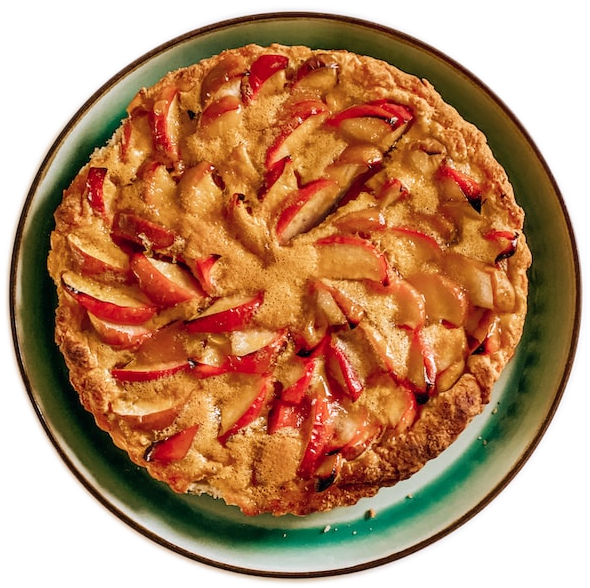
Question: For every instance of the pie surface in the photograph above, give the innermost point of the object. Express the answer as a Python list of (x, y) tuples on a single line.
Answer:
[(290, 279)]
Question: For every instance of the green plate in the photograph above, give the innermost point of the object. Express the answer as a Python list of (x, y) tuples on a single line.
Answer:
[(450, 489)]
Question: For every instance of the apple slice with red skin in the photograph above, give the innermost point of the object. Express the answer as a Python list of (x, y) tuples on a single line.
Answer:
[(94, 190), (352, 311), (380, 121), (120, 336), (259, 361), (320, 427), (231, 313), (327, 470), (164, 124), (470, 188), (222, 77), (391, 191), (362, 221), (318, 73), (353, 433), (350, 257), (261, 71), (165, 283), (152, 414), (172, 448), (151, 372), (411, 310), (298, 118), (254, 394), (106, 303), (306, 208), (286, 414), (295, 393), (221, 114), (341, 369), (161, 355), (108, 262), (484, 333), (402, 409), (506, 241), (129, 227), (203, 270)]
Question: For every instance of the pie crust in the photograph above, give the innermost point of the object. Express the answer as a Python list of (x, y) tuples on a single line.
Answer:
[(290, 279)]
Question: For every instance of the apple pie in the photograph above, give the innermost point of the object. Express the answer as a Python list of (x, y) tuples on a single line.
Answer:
[(290, 279)]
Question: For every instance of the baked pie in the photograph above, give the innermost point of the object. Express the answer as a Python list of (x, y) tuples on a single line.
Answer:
[(290, 279)]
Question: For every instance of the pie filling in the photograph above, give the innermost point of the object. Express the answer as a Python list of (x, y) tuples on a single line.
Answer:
[(290, 279)]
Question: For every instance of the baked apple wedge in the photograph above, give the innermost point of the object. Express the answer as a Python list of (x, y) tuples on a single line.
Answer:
[(125, 307), (231, 313), (165, 283), (306, 208), (350, 257)]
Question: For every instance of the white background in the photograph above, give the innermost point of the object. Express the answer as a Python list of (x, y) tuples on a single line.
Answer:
[(534, 56)]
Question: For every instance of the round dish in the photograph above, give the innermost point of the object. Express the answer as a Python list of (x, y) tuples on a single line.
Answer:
[(402, 519)]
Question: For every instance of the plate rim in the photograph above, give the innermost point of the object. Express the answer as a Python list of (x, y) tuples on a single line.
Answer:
[(45, 165)]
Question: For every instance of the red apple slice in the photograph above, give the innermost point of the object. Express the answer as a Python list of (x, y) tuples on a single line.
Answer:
[(342, 370), (354, 431), (143, 373), (318, 73), (231, 313), (301, 119), (320, 428), (365, 220), (350, 257), (410, 309), (401, 409), (165, 283), (259, 361), (295, 393), (108, 262), (121, 336), (221, 115), (94, 190), (347, 307), (469, 187), (139, 230), (221, 79), (163, 119), (391, 191), (285, 414), (264, 68), (153, 414), (200, 188), (380, 122), (110, 304), (422, 369), (203, 270), (505, 241), (306, 208), (445, 300), (173, 448), (246, 408), (327, 470)]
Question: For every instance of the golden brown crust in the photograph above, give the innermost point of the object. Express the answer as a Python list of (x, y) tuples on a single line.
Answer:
[(403, 346)]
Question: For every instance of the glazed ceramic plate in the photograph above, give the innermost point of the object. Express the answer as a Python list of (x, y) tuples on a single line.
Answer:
[(450, 489)]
